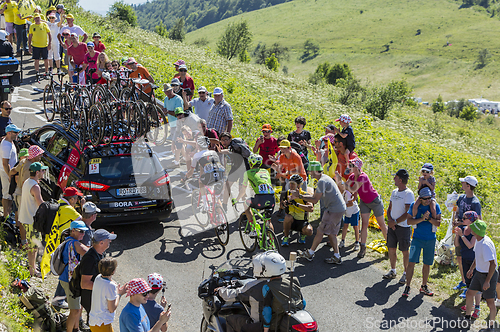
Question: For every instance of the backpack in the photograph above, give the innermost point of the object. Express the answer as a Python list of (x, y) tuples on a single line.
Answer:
[(75, 284), (45, 215), (280, 289), (57, 264), (300, 150), (11, 231), (44, 313), (239, 146)]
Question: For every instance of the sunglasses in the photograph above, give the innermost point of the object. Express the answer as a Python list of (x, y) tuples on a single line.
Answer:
[(266, 131), (425, 172), (80, 231), (65, 34), (183, 70), (201, 92), (52, 18), (7, 108), (145, 294), (425, 199)]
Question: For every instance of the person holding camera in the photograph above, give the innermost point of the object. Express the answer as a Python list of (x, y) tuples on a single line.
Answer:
[(202, 104), (187, 83)]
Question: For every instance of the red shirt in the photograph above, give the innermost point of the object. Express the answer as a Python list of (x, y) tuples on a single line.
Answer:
[(342, 164), (269, 147), (187, 84), (92, 63), (78, 53), (99, 47)]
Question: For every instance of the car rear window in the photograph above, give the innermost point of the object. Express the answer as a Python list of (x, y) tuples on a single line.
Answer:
[(122, 167)]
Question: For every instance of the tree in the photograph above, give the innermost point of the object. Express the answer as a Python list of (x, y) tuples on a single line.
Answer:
[(177, 32), (338, 71), (468, 113), (311, 50), (244, 57), (381, 99), (483, 58), (262, 52), (236, 38), (161, 29), (438, 105), (124, 12), (272, 63)]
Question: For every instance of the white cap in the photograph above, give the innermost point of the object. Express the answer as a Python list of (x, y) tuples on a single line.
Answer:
[(90, 207), (3, 34), (218, 91), (470, 180)]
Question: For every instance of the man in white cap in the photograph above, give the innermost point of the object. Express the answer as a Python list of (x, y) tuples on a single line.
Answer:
[(8, 153), (202, 105), (89, 215), (220, 117), (6, 48)]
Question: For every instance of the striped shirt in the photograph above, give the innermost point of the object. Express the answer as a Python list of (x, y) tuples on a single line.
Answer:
[(219, 115)]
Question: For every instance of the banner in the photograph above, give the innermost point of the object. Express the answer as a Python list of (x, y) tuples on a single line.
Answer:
[(26, 7), (53, 240), (331, 165)]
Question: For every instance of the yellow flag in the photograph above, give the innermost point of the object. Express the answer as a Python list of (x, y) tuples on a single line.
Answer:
[(331, 165), (53, 241), (26, 7)]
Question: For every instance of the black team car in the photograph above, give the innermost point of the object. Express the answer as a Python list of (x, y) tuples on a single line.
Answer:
[(126, 181)]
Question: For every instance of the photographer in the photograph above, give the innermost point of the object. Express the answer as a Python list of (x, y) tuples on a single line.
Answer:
[(187, 83)]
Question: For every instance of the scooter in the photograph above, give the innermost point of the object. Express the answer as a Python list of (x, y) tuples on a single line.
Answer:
[(10, 76), (236, 273)]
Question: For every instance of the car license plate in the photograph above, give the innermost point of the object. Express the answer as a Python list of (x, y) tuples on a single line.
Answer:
[(131, 191), (5, 81)]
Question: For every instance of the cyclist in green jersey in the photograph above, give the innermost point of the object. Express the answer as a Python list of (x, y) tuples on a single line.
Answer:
[(260, 180)]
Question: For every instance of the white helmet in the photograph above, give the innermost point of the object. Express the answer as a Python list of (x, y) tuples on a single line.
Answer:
[(203, 141), (155, 281), (268, 264)]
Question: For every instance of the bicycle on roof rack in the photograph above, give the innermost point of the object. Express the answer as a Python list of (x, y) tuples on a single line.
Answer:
[(51, 93)]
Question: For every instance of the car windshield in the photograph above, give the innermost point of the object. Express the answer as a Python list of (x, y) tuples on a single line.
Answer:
[(120, 167)]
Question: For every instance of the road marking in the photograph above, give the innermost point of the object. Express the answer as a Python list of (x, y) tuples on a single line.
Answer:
[(41, 117), (30, 110)]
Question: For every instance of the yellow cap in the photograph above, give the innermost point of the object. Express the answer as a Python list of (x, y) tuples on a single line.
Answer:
[(285, 143), (70, 16), (51, 8)]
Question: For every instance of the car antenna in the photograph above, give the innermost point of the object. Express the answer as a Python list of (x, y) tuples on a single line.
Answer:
[(203, 273)]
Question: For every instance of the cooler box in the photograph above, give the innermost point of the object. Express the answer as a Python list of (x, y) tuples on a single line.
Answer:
[(8, 64)]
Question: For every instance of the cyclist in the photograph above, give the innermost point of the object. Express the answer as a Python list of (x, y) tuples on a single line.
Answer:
[(208, 164), (260, 180)]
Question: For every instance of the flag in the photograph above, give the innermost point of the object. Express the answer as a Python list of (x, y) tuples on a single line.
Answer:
[(331, 165), (53, 241), (26, 7)]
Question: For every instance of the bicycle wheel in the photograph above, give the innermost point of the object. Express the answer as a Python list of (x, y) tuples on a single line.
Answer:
[(162, 127), (108, 125), (221, 225), (94, 128), (66, 110), (115, 92), (99, 94), (245, 227), (271, 241), (49, 102), (152, 123), (125, 94), (134, 120), (196, 207), (82, 130)]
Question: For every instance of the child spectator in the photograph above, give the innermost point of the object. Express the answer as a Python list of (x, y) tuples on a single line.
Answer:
[(266, 145), (106, 295), (99, 46), (351, 216), (427, 180), (346, 133), (466, 241), (153, 309), (301, 136)]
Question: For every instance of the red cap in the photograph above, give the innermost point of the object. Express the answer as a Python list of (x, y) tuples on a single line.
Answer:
[(267, 127), (72, 191)]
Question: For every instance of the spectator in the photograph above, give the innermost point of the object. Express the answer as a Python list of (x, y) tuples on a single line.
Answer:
[(9, 160), (220, 116), (99, 46), (141, 72), (296, 213), (103, 64), (177, 64), (176, 86), (351, 214), (21, 33), (486, 277), (50, 10), (465, 202), (340, 145), (89, 215), (202, 104), (300, 136), (31, 198), (5, 120), (6, 48), (184, 119), (334, 208), (106, 296), (266, 145), (23, 158), (54, 46), (67, 212), (77, 52), (465, 240), (133, 317), (427, 180), (210, 133), (40, 42), (398, 230), (346, 133), (89, 265), (171, 103), (152, 308), (60, 12), (72, 252), (187, 83), (358, 182), (90, 62), (424, 239), (73, 28), (8, 9)]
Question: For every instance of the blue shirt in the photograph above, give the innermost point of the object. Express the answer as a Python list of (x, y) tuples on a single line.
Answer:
[(467, 254), (350, 141), (65, 256), (134, 319), (4, 122), (423, 230), (171, 104), (153, 310)]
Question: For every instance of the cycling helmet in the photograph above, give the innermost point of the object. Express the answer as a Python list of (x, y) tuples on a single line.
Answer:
[(155, 281), (255, 160), (203, 141), (297, 179), (268, 264)]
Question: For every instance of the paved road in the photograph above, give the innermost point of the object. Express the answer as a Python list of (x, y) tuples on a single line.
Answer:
[(350, 297)]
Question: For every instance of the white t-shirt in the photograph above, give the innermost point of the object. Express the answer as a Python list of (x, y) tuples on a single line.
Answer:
[(74, 29), (104, 290), (399, 199), (28, 202), (350, 210), (8, 151), (485, 252), (202, 108), (54, 30)]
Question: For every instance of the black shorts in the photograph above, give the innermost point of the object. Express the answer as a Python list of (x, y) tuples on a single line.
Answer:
[(40, 53), (211, 178), (298, 225), (401, 235), (477, 284), (262, 201)]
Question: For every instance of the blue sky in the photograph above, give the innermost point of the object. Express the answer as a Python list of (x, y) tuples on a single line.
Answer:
[(102, 6)]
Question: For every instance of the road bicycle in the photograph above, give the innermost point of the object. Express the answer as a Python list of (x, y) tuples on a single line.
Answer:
[(260, 226), (51, 93), (211, 212)]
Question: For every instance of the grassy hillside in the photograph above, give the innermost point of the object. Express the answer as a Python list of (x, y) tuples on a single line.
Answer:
[(356, 32)]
